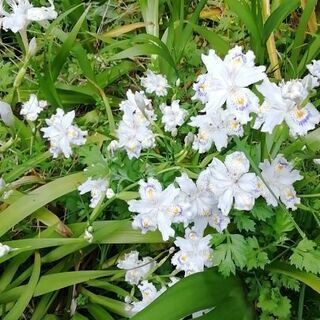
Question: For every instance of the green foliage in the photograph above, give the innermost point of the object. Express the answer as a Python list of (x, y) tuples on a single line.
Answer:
[(230, 252), (306, 256), (273, 303)]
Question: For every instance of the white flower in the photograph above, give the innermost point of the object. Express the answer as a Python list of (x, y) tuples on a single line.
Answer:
[(23, 13), (277, 107), (62, 134), (201, 201), (149, 293), (31, 109), (172, 116), (113, 146), (110, 193), (134, 131), (32, 49), (214, 128), (314, 68), (2, 184), (138, 104), (279, 177), (231, 182), (4, 250), (316, 161), (6, 113), (135, 269), (153, 208), (155, 83), (97, 189), (88, 236), (194, 254), (294, 90), (201, 88), (227, 81)]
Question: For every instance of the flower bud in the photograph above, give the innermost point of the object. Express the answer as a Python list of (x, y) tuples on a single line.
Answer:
[(6, 113)]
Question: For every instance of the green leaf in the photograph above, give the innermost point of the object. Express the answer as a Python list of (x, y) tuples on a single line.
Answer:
[(243, 222), (67, 46), (272, 302), (36, 199), (262, 211), (230, 254), (242, 9), (216, 42), (99, 312), (256, 258), (277, 16), (309, 279), (27, 294), (56, 281), (306, 256), (300, 34), (197, 292), (311, 53)]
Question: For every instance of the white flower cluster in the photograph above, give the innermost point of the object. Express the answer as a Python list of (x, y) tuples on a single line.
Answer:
[(194, 254), (23, 13), (4, 250), (288, 102), (134, 132), (136, 269), (31, 109), (225, 83), (221, 186), (62, 134)]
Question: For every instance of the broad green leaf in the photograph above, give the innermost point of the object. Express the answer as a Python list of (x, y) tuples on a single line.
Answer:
[(309, 279), (56, 281), (197, 292), (24, 299), (36, 199)]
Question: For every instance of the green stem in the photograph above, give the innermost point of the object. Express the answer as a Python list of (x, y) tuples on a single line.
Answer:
[(301, 301)]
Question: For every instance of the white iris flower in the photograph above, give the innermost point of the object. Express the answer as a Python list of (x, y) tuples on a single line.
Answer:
[(155, 83), (231, 182), (136, 269), (194, 254), (97, 189), (279, 176), (286, 103), (62, 134), (24, 13), (31, 109), (172, 116), (153, 208)]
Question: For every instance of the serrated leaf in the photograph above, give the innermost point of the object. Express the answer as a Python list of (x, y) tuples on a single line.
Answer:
[(306, 256), (243, 222), (231, 254), (262, 211)]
